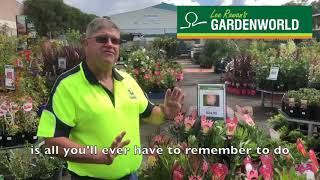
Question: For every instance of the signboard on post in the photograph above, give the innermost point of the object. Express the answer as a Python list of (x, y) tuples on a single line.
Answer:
[(273, 75), (244, 22), (212, 101)]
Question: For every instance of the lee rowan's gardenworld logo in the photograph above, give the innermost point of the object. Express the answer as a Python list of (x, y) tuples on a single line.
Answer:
[(244, 22)]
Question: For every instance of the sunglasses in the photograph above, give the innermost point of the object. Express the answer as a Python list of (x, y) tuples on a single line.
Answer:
[(105, 39)]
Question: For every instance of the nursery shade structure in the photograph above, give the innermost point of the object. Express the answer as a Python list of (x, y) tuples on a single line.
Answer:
[(81, 109)]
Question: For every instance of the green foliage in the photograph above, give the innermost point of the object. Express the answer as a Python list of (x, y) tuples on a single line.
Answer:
[(214, 50), (74, 37), (55, 17), (151, 72), (293, 63), (168, 44)]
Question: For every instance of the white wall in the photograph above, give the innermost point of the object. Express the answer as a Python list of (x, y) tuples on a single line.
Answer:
[(147, 21)]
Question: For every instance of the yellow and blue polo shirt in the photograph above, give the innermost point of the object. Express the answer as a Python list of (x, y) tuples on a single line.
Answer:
[(89, 114)]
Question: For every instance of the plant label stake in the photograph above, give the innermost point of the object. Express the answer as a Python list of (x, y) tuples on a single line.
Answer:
[(9, 77), (273, 76), (62, 63)]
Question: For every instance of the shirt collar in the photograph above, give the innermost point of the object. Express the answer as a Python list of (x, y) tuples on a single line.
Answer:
[(92, 79)]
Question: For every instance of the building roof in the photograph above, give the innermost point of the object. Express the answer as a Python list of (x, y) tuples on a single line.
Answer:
[(166, 6)]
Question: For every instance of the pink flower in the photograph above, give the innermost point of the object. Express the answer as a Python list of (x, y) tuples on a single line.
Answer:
[(177, 171), (157, 73), (219, 170), (266, 160), (205, 166), (206, 124), (315, 164), (253, 174), (158, 65), (231, 125), (147, 76), (195, 177), (194, 113), (266, 171), (301, 148), (178, 119), (188, 123), (160, 139), (136, 71)]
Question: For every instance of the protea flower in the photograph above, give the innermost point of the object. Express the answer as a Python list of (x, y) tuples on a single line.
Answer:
[(266, 171), (189, 122), (205, 167), (248, 164), (160, 139), (301, 148), (313, 158), (252, 175), (195, 177), (219, 170), (245, 114), (177, 171), (266, 160), (178, 119), (205, 124), (231, 125)]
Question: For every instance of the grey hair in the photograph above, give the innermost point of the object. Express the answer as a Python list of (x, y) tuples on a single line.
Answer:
[(98, 24)]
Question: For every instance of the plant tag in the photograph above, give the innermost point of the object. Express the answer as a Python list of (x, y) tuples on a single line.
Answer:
[(9, 138), (303, 113), (35, 137), (291, 111), (9, 77), (62, 63)]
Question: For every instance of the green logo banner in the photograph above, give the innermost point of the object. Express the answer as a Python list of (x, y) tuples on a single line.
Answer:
[(244, 22)]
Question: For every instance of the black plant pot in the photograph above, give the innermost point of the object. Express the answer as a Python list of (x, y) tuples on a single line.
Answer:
[(305, 113), (292, 111), (9, 141), (315, 113), (20, 138), (57, 175), (31, 137)]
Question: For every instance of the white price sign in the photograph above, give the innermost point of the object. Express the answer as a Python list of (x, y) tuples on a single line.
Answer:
[(274, 71)]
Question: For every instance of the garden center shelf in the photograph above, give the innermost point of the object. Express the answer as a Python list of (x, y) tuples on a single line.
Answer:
[(311, 123), (268, 92)]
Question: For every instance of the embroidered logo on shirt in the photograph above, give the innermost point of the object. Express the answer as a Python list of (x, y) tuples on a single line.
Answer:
[(131, 94)]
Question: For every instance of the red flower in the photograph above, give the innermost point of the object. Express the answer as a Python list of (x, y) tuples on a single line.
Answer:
[(178, 119), (158, 65), (147, 76), (315, 164), (136, 71), (300, 147), (157, 73), (219, 170), (205, 166), (266, 171), (266, 160), (177, 171)]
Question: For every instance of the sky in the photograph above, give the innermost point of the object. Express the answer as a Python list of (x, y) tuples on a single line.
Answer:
[(110, 7)]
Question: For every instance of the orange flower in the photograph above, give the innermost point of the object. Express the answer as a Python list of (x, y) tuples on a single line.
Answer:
[(301, 148)]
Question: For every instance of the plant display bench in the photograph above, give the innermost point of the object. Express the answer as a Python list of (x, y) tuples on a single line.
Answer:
[(268, 92), (311, 123)]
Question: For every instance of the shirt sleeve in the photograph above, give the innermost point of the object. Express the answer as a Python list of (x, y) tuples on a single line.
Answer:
[(58, 118), (145, 105)]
